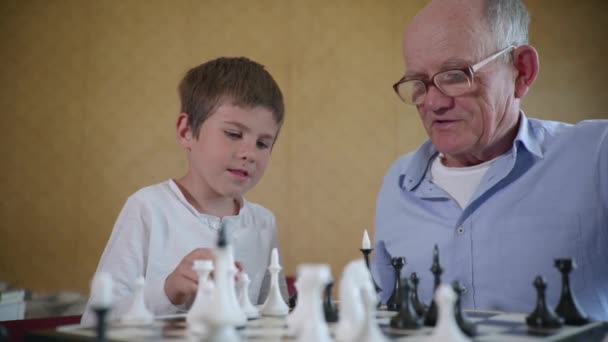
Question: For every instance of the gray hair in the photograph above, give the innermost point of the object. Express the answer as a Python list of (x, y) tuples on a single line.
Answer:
[(508, 22)]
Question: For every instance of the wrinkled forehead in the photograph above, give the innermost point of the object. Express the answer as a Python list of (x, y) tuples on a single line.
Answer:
[(445, 32)]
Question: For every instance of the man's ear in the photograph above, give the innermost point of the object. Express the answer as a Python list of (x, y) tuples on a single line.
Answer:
[(184, 133), (525, 60)]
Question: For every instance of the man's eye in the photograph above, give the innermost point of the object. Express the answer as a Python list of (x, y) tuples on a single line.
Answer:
[(233, 134), (418, 89), (454, 77)]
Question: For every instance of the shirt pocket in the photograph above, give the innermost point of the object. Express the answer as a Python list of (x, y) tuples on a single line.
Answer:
[(515, 249)]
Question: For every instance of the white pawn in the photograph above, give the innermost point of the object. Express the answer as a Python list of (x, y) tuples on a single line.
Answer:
[(232, 290), (138, 314), (196, 315), (447, 329), (102, 286), (245, 302), (275, 304), (352, 310), (224, 309), (312, 325), (371, 331)]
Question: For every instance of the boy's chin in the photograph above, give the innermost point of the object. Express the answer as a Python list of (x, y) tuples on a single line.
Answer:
[(235, 193)]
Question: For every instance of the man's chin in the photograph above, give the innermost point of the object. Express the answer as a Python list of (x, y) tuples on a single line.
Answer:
[(449, 147)]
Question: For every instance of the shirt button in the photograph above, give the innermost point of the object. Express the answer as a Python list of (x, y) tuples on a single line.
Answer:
[(460, 230)]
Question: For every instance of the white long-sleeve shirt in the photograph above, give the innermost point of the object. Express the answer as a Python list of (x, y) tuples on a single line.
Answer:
[(157, 227)]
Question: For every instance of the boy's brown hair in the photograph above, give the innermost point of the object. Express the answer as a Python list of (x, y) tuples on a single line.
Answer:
[(236, 80)]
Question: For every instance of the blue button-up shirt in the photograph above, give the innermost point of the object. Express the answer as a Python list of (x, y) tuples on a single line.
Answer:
[(546, 198)]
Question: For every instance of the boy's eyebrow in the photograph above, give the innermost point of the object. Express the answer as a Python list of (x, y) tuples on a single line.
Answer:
[(246, 129)]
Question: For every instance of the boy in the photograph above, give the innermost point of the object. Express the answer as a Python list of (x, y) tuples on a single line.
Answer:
[(231, 114)]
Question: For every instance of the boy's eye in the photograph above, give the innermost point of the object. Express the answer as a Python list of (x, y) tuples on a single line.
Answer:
[(263, 145), (233, 134)]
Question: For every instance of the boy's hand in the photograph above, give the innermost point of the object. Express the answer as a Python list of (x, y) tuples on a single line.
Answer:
[(181, 284)]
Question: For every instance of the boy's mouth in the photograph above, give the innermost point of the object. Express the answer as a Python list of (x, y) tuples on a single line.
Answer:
[(239, 173)]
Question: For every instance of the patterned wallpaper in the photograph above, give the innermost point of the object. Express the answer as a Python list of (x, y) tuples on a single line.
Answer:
[(88, 98)]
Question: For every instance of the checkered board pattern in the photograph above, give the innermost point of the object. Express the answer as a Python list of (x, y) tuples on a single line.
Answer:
[(491, 326)]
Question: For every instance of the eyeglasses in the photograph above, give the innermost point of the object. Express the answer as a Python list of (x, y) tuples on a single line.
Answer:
[(450, 82)]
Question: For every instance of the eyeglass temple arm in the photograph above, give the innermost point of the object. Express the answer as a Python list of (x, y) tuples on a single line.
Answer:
[(491, 58)]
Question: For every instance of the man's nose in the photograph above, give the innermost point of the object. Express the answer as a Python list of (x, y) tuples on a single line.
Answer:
[(436, 101)]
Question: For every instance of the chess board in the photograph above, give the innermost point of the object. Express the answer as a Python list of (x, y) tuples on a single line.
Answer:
[(491, 326)]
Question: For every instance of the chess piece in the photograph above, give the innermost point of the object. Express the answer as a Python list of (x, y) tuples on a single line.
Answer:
[(138, 314), (243, 282), (430, 319), (196, 314), (352, 310), (366, 249), (394, 302), (371, 331), (4, 336), (463, 322), (542, 317), (447, 329), (103, 287), (101, 313), (274, 304), (299, 310), (330, 309), (567, 307), (223, 313), (293, 300), (416, 302), (310, 324), (406, 318)]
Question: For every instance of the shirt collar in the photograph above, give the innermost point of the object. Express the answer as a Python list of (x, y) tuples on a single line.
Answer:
[(527, 136), (180, 195)]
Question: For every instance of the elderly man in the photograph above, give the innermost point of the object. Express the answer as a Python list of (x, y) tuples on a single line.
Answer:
[(501, 194)]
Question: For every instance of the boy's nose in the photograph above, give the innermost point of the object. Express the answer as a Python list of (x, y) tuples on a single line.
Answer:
[(246, 152)]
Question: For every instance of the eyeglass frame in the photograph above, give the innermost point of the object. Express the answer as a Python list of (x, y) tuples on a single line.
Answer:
[(468, 71)]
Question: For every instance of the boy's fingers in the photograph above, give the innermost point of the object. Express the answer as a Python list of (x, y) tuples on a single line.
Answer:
[(190, 275), (199, 254)]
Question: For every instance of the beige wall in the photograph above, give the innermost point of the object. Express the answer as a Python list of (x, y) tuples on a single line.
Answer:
[(88, 105)]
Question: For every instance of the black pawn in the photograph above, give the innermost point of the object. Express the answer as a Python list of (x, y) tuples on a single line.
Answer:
[(101, 313), (542, 317), (568, 308), (366, 252), (329, 307), (463, 322), (222, 239), (430, 319), (4, 336), (418, 305), (394, 302), (407, 318), (293, 300)]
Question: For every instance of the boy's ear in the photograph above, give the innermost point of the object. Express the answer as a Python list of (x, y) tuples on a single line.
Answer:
[(184, 133), (525, 59)]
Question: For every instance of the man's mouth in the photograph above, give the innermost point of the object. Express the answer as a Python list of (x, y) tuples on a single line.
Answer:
[(444, 123)]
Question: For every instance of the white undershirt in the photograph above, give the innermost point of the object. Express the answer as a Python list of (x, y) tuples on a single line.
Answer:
[(458, 182)]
